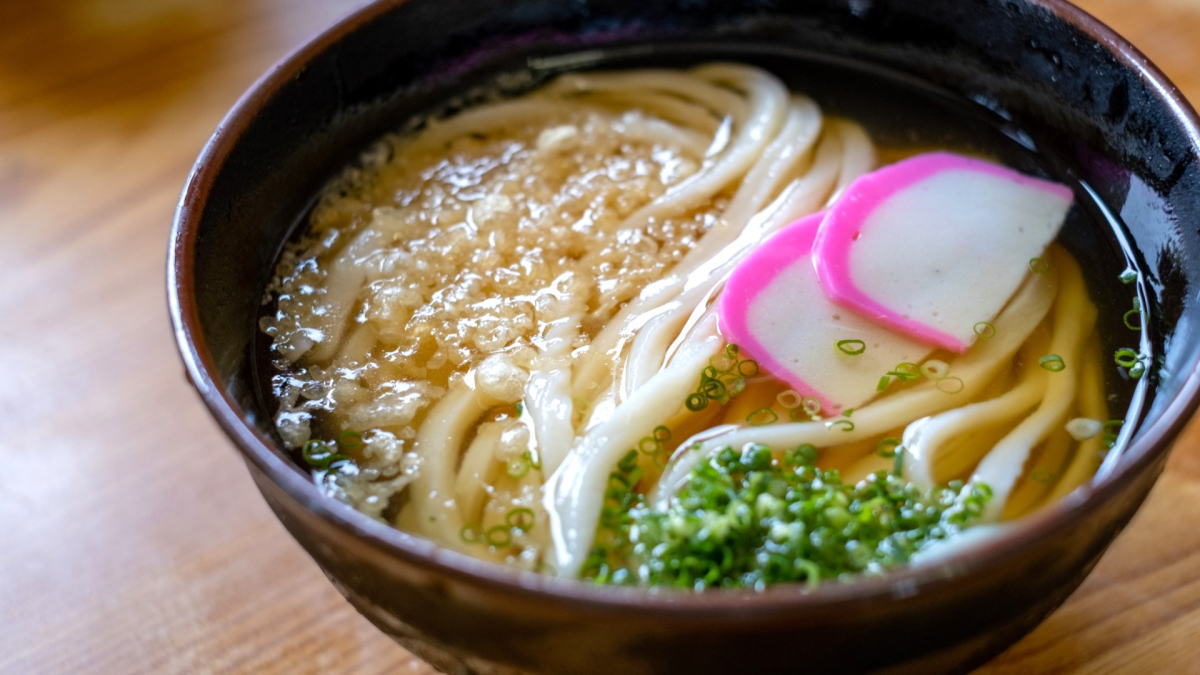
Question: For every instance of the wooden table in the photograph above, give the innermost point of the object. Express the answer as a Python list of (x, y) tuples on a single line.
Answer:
[(131, 537)]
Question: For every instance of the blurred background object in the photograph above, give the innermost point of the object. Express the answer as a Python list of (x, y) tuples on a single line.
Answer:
[(132, 540)]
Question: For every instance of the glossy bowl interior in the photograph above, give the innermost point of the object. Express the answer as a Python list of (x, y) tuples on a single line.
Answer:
[(1050, 76)]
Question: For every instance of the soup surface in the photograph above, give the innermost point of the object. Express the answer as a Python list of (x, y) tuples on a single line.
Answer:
[(504, 332)]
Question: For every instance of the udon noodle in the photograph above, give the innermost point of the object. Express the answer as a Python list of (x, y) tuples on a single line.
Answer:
[(487, 314)]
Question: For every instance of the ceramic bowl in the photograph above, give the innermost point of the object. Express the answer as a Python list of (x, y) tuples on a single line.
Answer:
[(1051, 73)]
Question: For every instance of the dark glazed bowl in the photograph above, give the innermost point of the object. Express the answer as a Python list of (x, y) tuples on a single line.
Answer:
[(1067, 83)]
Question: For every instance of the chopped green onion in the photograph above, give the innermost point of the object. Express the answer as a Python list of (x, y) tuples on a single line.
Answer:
[(898, 465), (714, 389), (950, 384), (812, 406), (1134, 362), (762, 416), (1111, 429), (935, 369), (985, 330), (1125, 357), (1132, 318), (649, 445), (724, 378), (851, 347), (469, 534), (884, 382), (906, 371), (316, 454), (617, 481), (1039, 265), (743, 519), (521, 518), (1052, 362), (499, 536), (887, 447), (801, 455), (662, 433), (843, 424), (789, 399), (520, 408), (629, 462), (1128, 276), (696, 402)]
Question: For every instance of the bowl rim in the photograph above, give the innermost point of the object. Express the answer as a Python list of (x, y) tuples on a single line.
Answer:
[(680, 605)]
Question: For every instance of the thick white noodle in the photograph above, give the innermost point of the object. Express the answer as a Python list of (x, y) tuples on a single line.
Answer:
[(575, 492), (924, 438), (1073, 319), (433, 511), (548, 395), (476, 472)]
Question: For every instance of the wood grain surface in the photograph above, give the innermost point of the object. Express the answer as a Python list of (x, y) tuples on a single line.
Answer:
[(132, 539)]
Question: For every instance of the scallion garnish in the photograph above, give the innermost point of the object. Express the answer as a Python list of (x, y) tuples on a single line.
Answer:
[(1126, 357), (1128, 276), (1052, 362), (789, 399), (1132, 361), (904, 372), (1111, 429), (321, 455), (534, 462), (747, 518), (498, 536), (887, 447), (762, 416), (985, 329), (1039, 265), (811, 406), (851, 347), (935, 369), (520, 518), (724, 378), (950, 384), (843, 424)]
